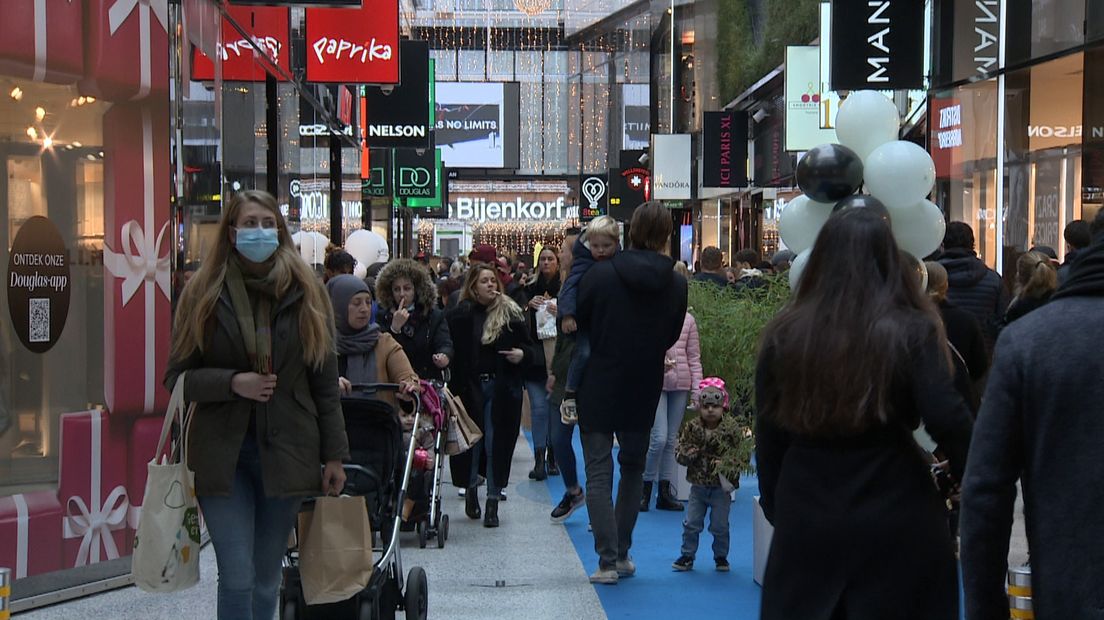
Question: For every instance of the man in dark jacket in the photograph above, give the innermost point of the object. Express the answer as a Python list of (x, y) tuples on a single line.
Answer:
[(633, 306), (712, 267), (1040, 423), (1077, 238), (973, 286)]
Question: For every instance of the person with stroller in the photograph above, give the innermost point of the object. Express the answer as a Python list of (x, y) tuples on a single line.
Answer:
[(254, 333), (409, 312), (493, 348)]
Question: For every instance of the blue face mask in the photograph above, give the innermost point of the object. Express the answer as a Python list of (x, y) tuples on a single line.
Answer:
[(257, 244)]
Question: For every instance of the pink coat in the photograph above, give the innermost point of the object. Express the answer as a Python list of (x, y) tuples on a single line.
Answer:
[(687, 373)]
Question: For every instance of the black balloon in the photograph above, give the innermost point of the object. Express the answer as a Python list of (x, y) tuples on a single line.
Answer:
[(862, 201), (829, 172)]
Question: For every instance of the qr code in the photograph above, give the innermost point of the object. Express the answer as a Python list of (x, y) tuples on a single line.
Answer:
[(40, 320)]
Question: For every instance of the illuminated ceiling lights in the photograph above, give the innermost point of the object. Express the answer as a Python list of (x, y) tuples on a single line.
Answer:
[(533, 8)]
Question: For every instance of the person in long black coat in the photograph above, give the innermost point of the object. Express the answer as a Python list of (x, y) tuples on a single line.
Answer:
[(488, 378), (633, 307), (847, 371), (1041, 424)]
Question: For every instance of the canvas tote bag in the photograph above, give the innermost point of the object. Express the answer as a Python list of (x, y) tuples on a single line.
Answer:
[(335, 549), (166, 546), (463, 432)]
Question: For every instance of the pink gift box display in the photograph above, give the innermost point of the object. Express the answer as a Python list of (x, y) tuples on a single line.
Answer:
[(92, 490), (42, 40), (137, 255), (30, 533), (126, 49)]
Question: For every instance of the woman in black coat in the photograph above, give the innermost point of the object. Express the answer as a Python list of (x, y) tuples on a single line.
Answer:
[(492, 344), (409, 312), (846, 372), (541, 289)]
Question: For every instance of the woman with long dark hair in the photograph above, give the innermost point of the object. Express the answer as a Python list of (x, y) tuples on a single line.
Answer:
[(542, 289), (846, 372), (254, 330), (492, 344)]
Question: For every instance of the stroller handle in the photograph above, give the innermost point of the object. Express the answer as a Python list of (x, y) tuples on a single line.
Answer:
[(371, 388)]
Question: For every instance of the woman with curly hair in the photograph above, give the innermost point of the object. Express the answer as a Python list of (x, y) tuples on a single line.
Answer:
[(408, 311), (493, 349)]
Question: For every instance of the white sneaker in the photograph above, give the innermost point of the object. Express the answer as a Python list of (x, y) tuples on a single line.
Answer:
[(569, 415), (626, 568), (606, 577)]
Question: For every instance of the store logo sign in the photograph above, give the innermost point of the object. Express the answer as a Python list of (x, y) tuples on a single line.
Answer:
[(1073, 131), (397, 131), (482, 210), (266, 28), (877, 44), (987, 29), (671, 168), (354, 46), (311, 131), (368, 51), (950, 127)]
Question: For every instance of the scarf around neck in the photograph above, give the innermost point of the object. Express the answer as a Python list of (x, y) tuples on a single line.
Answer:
[(1086, 275), (357, 345), (252, 295)]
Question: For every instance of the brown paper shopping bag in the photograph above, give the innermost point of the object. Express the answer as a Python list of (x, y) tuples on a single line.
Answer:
[(335, 549), (463, 432)]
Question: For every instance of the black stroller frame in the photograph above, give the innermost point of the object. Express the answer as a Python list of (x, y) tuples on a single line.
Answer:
[(387, 591)]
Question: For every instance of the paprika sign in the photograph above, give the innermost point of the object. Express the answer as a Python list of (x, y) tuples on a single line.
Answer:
[(268, 27), (38, 284), (354, 46)]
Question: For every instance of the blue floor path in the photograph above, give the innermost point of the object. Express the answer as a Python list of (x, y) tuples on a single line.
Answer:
[(657, 591)]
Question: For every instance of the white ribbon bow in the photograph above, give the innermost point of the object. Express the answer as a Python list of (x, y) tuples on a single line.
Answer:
[(94, 527), (143, 264), (120, 11)]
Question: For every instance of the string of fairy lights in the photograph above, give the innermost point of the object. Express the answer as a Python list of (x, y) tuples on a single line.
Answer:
[(509, 238)]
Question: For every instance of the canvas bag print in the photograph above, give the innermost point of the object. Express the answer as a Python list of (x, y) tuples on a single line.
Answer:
[(335, 549), (166, 545)]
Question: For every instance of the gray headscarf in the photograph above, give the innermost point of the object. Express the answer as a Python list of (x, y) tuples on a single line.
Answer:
[(357, 345)]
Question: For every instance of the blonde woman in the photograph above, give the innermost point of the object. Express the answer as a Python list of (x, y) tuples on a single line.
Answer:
[(254, 331), (1036, 281), (493, 348)]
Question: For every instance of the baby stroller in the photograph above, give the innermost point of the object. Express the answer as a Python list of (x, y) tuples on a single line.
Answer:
[(427, 517), (378, 473)]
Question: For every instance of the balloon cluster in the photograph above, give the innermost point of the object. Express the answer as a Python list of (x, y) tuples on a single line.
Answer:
[(897, 177)]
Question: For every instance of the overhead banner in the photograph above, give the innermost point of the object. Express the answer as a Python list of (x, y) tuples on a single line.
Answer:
[(415, 173), (636, 116), (725, 149), (354, 46), (268, 27), (877, 44), (671, 176), (471, 119), (630, 185), (803, 100), (398, 116), (378, 181)]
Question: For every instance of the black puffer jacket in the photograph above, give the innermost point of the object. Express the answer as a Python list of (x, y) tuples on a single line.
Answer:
[(976, 288)]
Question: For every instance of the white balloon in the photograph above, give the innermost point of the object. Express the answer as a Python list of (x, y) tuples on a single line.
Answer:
[(312, 247), (867, 120), (797, 267), (367, 247), (918, 228), (801, 222), (899, 173)]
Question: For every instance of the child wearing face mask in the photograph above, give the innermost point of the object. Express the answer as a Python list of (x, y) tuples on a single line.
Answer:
[(701, 444), (600, 241)]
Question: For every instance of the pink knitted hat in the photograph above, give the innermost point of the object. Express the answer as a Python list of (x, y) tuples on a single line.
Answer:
[(711, 390)]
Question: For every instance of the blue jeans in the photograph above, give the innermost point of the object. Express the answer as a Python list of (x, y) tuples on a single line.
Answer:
[(661, 451), (718, 503), (538, 412), (564, 451), (486, 444), (250, 534), (579, 359)]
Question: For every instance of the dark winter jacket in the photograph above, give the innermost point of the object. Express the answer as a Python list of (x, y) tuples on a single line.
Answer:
[(297, 430), (712, 278), (972, 358), (582, 261), (633, 307), (1063, 271), (976, 288), (862, 509), (1020, 306), (423, 336), (538, 369), (1041, 424)]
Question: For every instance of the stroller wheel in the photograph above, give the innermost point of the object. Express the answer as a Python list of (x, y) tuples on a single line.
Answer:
[(442, 532), (421, 535), (417, 594)]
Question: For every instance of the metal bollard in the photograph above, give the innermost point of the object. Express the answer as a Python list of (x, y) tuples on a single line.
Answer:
[(1019, 593), (5, 593)]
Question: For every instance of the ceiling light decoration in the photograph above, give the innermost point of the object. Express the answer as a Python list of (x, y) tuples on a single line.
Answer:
[(16, 93), (40, 113), (32, 133), (533, 8)]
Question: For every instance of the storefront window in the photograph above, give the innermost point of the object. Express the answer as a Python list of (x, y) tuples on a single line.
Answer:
[(51, 156)]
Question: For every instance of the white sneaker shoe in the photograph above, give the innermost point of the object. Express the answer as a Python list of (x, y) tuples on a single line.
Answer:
[(626, 568), (605, 577)]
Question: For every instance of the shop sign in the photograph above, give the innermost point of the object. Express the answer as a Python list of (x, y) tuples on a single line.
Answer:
[(482, 201), (398, 117), (318, 129), (724, 148), (378, 182), (314, 200), (632, 187), (671, 177), (269, 31), (595, 192), (803, 100), (877, 44), (354, 45), (947, 138), (415, 173), (38, 284), (637, 116)]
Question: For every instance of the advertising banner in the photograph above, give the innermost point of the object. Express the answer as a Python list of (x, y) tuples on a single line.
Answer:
[(377, 184), (470, 124), (268, 27), (415, 173), (507, 201), (636, 116), (594, 189), (877, 44), (398, 117), (354, 45), (630, 185), (947, 137), (803, 100), (671, 177), (725, 149)]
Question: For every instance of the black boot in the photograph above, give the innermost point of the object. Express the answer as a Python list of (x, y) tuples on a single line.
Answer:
[(490, 515), (538, 472), (646, 497), (551, 463), (667, 499), (471, 503)]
